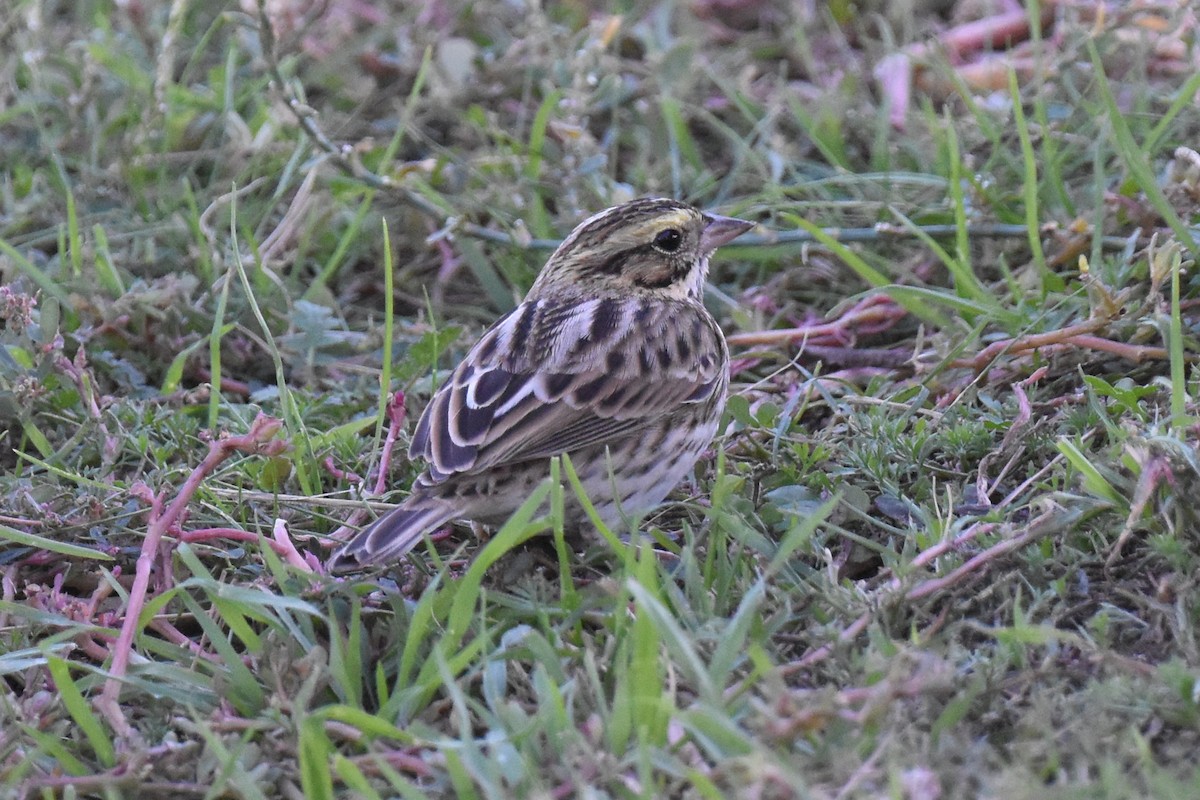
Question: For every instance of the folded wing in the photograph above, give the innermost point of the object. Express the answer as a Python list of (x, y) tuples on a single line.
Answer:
[(549, 379)]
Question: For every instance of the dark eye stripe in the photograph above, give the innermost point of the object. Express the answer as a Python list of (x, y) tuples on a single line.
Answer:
[(615, 264)]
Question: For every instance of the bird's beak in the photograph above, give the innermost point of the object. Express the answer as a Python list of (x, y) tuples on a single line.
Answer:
[(720, 230)]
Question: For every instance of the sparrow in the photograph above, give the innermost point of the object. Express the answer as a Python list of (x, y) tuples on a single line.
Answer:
[(611, 358)]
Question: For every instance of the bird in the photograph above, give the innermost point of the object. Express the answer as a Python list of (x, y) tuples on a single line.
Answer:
[(611, 358)]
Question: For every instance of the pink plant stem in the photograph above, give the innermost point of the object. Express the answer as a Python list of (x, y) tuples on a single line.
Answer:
[(1031, 342), (21, 521), (1153, 473), (92, 648), (257, 440), (395, 414), (873, 314), (989, 33), (1036, 529), (339, 473), (283, 545), (1137, 353), (231, 534), (175, 636)]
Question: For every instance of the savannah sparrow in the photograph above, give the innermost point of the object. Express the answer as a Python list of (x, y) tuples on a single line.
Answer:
[(610, 358)]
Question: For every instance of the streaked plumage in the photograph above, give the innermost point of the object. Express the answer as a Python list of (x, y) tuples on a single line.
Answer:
[(611, 358)]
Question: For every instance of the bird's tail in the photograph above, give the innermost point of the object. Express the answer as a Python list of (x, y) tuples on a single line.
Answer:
[(391, 536)]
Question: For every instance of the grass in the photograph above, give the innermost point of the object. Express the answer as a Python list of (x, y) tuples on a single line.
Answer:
[(943, 547)]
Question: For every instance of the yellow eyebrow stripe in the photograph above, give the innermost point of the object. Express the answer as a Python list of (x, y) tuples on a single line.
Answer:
[(643, 232)]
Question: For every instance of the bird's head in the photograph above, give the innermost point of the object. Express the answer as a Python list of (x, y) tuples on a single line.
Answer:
[(653, 246)]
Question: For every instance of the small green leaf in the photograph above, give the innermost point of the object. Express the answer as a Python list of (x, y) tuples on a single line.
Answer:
[(1092, 479)]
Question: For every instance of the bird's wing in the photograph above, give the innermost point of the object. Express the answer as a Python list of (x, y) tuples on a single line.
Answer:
[(549, 379)]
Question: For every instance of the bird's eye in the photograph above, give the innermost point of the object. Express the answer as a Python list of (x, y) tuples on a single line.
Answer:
[(668, 240)]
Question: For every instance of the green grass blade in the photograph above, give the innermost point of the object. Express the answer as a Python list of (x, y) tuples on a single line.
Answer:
[(1135, 158), (389, 334), (517, 530), (51, 545), (316, 751), (80, 711), (336, 258), (1180, 419), (539, 223), (1092, 479), (1185, 97), (676, 640), (106, 271), (1030, 186), (305, 460)]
